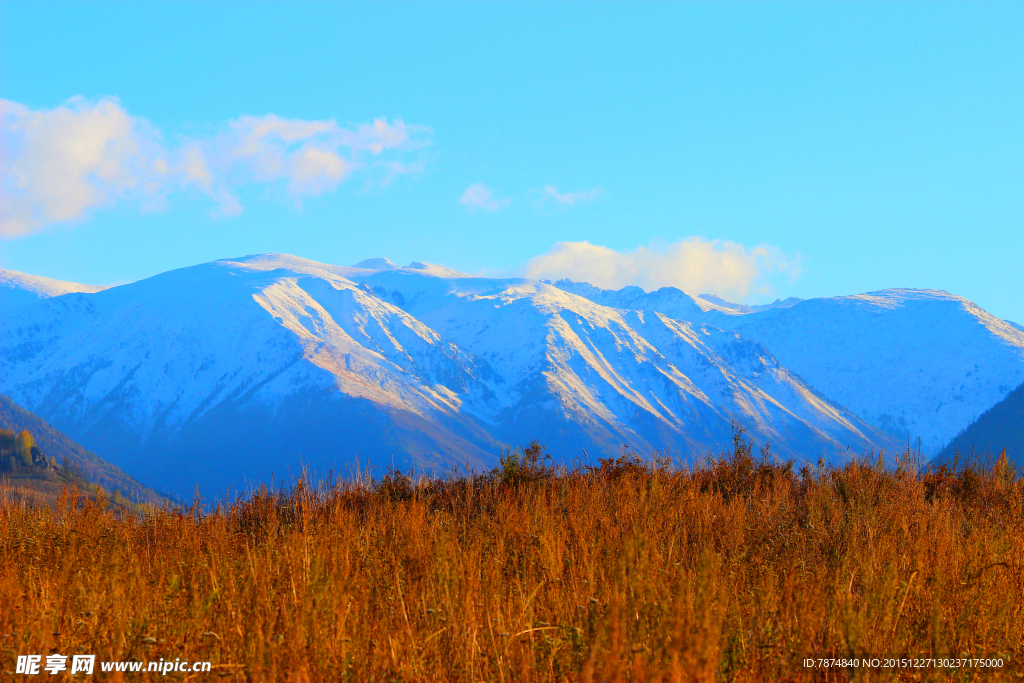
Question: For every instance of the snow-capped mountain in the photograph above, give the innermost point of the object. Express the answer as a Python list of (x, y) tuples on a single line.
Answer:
[(18, 289), (223, 373), (743, 308), (227, 372), (673, 302), (621, 376), (917, 364)]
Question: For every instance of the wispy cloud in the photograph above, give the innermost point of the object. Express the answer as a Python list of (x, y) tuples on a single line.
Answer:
[(479, 196), (550, 193), (694, 265), (59, 165)]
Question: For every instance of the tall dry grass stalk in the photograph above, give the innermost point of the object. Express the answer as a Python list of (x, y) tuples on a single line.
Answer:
[(626, 573)]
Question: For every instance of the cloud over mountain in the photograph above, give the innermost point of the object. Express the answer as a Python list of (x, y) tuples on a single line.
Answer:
[(693, 265)]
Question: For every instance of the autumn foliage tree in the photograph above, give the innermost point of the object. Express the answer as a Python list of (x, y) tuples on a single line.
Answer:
[(16, 448)]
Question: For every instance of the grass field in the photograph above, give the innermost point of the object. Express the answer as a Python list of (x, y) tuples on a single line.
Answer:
[(629, 572)]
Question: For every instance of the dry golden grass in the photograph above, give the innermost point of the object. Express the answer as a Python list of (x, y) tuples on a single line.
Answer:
[(629, 573)]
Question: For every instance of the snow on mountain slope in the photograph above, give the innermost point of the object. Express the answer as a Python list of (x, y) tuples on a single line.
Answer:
[(619, 376), (673, 302), (913, 363), (916, 363), (720, 302), (18, 289), (256, 365), (227, 372), (743, 308)]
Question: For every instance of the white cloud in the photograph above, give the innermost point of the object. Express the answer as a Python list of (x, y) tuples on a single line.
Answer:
[(381, 136), (551, 193), (479, 196), (61, 164), (693, 265), (315, 170)]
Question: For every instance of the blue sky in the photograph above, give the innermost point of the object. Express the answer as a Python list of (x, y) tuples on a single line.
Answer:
[(758, 151)]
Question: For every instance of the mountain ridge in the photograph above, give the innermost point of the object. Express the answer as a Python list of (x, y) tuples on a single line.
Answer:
[(20, 289), (915, 363), (275, 363)]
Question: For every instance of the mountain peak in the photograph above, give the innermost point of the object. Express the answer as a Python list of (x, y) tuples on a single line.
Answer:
[(584, 289), (379, 263), (435, 270), (719, 301), (266, 262), (303, 265), (20, 289), (897, 296), (42, 287)]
